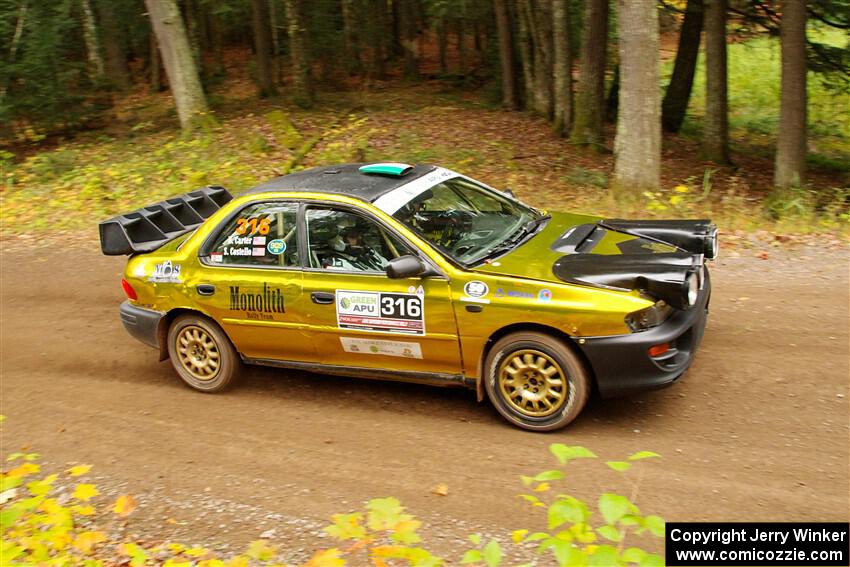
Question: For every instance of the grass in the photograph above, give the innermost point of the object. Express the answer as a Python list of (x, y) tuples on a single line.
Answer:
[(754, 89)]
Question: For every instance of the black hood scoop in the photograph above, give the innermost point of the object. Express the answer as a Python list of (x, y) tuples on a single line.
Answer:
[(664, 276)]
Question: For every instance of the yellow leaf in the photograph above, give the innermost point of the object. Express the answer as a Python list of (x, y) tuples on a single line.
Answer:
[(542, 487), (196, 552), (260, 550), (86, 541), (86, 510), (518, 535), (676, 199), (85, 492), (681, 189), (124, 505), (79, 470), (441, 489), (326, 558), (25, 469)]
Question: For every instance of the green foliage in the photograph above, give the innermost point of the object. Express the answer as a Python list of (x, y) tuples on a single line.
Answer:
[(38, 525), (43, 86), (754, 91)]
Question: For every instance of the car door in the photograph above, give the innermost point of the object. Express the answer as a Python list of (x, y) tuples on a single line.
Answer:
[(251, 282), (360, 317)]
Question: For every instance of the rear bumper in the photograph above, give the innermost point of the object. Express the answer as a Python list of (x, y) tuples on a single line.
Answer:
[(143, 324), (621, 363)]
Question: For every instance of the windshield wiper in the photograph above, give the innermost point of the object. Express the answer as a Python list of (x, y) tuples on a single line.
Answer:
[(514, 239)]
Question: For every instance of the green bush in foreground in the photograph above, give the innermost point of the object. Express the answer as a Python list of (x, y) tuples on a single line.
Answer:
[(44, 522)]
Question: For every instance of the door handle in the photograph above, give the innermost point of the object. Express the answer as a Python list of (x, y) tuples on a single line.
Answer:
[(322, 298), (205, 289)]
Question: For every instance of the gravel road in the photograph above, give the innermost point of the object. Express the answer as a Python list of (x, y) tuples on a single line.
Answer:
[(757, 430)]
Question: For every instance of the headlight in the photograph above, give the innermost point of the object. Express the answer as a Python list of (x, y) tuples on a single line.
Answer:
[(712, 245), (650, 317), (691, 288)]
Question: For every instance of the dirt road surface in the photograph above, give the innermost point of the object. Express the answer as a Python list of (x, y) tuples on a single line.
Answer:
[(757, 430)]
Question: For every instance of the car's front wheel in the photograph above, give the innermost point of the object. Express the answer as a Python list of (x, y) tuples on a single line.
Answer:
[(202, 354), (536, 381)]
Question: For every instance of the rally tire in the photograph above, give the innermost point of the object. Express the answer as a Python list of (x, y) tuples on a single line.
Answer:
[(536, 381), (202, 355)]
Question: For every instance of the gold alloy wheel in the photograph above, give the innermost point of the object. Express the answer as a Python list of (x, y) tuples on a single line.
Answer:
[(199, 353), (532, 383)]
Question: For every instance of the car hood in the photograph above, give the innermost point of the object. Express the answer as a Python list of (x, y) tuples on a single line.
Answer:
[(653, 256)]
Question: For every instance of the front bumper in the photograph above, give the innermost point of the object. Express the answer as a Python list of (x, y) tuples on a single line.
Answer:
[(622, 364), (143, 324)]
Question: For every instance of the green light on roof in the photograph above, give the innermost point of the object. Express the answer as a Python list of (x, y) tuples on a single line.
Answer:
[(394, 169)]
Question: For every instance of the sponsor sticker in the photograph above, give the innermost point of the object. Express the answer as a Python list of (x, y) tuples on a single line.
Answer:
[(258, 252), (217, 257), (380, 312), (513, 293), (276, 246), (544, 295), (475, 291), (386, 348), (166, 273), (260, 305), (259, 241)]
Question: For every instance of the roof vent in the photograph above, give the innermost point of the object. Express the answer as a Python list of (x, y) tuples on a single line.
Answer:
[(393, 169)]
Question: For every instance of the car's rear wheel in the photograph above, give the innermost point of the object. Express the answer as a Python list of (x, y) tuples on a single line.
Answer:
[(202, 354), (536, 381)]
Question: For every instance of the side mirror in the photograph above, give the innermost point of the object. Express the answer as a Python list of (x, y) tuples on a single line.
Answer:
[(406, 267)]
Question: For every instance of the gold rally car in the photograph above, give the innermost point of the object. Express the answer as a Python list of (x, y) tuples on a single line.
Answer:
[(415, 273)]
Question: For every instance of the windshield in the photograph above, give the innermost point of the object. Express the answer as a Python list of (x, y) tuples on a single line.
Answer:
[(467, 222)]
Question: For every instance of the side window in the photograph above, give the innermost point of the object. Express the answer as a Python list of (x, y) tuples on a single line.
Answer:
[(264, 234), (340, 240)]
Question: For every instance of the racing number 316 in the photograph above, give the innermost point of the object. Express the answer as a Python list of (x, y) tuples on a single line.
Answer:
[(401, 306)]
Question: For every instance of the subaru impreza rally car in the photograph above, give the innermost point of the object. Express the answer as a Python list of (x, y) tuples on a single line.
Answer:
[(415, 273)]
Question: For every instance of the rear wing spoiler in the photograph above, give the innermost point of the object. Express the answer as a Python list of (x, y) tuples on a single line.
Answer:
[(148, 228)]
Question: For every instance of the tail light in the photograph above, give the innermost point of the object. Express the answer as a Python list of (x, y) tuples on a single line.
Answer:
[(128, 289)]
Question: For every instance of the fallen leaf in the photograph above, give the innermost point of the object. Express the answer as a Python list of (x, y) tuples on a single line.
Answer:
[(79, 470), (763, 255), (85, 492), (124, 505), (441, 489)]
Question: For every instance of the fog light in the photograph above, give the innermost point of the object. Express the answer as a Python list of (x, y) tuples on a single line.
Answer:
[(658, 350)]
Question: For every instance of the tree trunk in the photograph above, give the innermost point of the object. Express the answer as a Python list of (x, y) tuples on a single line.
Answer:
[(506, 55), (678, 93), (790, 167), (179, 63), (272, 8), (90, 37), (563, 66), (539, 17), (408, 37), (443, 43), (153, 64), (302, 85), (263, 47), (460, 27), (353, 63), (192, 11), (113, 43), (13, 48), (526, 53), (716, 131), (589, 111), (637, 147)]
